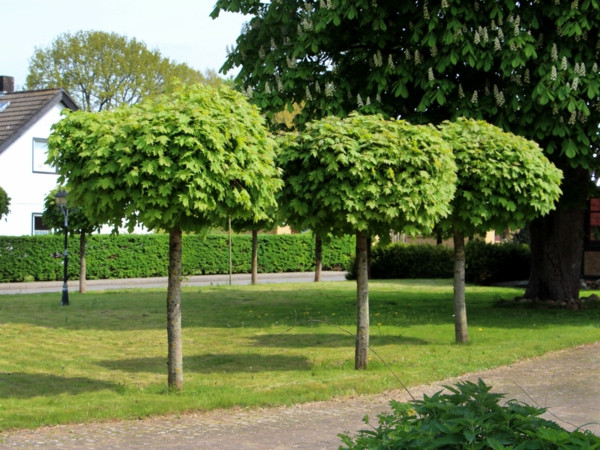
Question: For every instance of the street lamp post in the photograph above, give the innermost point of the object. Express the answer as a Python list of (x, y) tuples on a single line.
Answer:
[(61, 204)]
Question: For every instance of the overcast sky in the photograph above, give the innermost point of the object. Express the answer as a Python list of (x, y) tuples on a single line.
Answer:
[(181, 30)]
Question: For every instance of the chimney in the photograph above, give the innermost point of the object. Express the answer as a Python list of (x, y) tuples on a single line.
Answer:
[(7, 84)]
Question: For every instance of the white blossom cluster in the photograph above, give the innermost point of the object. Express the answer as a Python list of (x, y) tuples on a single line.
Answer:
[(329, 89), (430, 75), (359, 101), (418, 58), (326, 4), (391, 64), (378, 59), (499, 96)]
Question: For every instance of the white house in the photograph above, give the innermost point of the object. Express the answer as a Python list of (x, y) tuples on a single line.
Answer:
[(25, 121)]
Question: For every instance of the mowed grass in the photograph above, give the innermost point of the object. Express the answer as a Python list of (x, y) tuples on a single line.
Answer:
[(104, 356)]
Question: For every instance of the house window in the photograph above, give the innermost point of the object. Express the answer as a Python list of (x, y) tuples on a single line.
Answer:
[(593, 224), (40, 155), (38, 225)]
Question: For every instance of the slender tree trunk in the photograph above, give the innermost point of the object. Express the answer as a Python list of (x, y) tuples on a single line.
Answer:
[(361, 354), (230, 244), (82, 263), (254, 256), (461, 331), (556, 255), (175, 358), (369, 258), (318, 257)]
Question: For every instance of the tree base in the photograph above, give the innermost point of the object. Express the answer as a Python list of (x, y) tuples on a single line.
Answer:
[(593, 301)]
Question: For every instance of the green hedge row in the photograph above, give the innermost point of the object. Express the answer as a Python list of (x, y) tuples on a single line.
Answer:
[(40, 258), (485, 263)]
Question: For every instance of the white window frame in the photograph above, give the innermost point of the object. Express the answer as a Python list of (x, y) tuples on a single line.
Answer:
[(39, 155), (34, 230)]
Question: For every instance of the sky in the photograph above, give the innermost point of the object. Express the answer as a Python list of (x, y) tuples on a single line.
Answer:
[(181, 30)]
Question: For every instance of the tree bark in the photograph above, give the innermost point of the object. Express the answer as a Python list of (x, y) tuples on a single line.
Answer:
[(557, 241), (254, 256), (461, 331), (82, 263), (361, 354), (175, 356), (318, 257), (556, 255)]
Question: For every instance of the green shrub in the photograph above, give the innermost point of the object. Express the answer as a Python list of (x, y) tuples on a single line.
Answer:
[(140, 256), (411, 261), (468, 417), (493, 263), (485, 263)]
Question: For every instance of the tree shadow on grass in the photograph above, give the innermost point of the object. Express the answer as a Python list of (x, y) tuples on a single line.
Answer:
[(303, 340), (27, 385), (212, 363)]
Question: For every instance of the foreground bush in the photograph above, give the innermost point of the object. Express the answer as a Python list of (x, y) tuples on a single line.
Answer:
[(469, 417), (40, 258)]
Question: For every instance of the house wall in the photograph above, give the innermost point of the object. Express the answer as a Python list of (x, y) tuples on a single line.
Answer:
[(25, 188)]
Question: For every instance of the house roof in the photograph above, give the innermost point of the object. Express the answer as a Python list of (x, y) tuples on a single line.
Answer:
[(24, 108)]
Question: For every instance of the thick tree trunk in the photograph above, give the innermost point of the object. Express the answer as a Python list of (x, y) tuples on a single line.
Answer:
[(557, 242), (361, 354), (254, 256), (461, 330), (318, 257), (556, 255), (82, 263), (175, 357)]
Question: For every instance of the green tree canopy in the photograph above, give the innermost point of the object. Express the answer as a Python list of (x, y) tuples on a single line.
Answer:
[(78, 222), (189, 160), (4, 203), (504, 180), (104, 70), (181, 162), (364, 175), (528, 67)]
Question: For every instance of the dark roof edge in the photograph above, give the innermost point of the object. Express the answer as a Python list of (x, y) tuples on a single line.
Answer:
[(61, 97)]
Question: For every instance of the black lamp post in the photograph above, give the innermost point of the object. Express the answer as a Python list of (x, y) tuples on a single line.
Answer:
[(61, 204)]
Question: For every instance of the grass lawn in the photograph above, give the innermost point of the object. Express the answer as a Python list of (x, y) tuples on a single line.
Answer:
[(104, 356)]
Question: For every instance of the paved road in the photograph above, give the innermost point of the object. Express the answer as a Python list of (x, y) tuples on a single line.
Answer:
[(161, 282), (566, 382)]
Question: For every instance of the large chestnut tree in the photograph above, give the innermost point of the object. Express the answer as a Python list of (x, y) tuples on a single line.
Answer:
[(529, 67)]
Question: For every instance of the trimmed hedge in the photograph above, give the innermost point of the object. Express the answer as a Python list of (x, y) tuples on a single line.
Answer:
[(485, 263), (40, 258), (494, 263)]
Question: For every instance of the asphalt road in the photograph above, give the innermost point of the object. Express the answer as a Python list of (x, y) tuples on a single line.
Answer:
[(161, 282)]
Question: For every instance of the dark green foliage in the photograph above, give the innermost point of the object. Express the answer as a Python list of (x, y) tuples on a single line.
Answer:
[(486, 263), (493, 263), (411, 261), (469, 416), (28, 258), (4, 203)]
